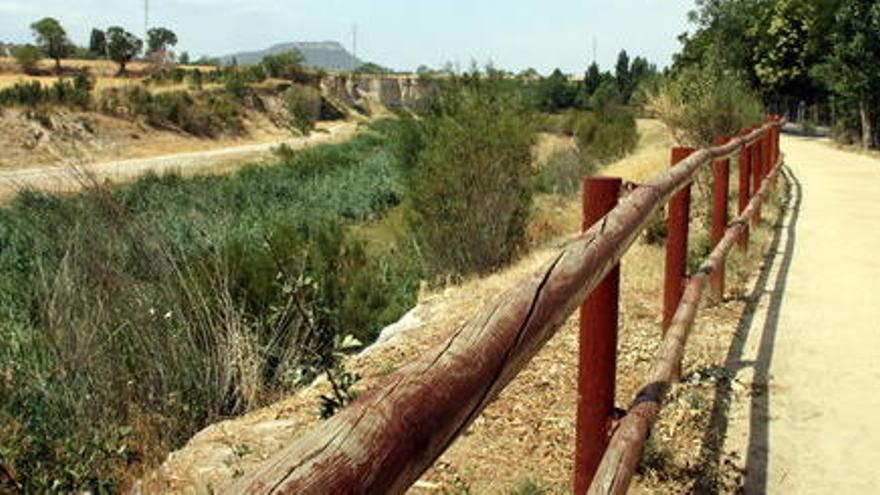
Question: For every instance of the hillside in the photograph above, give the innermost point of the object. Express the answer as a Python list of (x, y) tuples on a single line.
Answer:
[(329, 55)]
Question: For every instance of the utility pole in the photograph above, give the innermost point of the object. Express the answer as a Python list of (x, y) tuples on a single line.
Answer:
[(146, 19), (354, 41), (595, 46)]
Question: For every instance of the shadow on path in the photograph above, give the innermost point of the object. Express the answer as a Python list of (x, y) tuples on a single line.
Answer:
[(716, 433)]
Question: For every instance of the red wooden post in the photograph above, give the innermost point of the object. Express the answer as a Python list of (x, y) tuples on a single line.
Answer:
[(676, 244), (745, 172), (757, 175), (598, 347), (721, 180)]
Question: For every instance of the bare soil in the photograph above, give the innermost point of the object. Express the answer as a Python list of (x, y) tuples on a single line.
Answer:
[(527, 434)]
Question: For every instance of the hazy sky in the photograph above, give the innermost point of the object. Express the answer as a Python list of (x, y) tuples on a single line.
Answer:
[(402, 34)]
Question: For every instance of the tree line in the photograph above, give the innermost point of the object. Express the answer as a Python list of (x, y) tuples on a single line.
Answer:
[(797, 53), (114, 43)]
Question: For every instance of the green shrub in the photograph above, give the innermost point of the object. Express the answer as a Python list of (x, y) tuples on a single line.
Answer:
[(564, 172), (76, 93), (700, 104), (471, 187), (303, 106), (607, 135), (200, 114), (27, 57)]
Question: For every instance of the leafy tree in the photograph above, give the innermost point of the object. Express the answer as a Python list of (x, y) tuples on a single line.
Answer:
[(592, 79), (852, 69), (283, 65), (98, 43), (27, 57), (158, 41), (372, 68), (555, 92), (122, 46), (605, 96), (52, 38), (529, 74), (184, 58), (784, 56), (622, 76)]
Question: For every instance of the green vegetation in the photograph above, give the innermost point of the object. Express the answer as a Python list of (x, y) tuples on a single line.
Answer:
[(132, 318), (797, 54), (74, 93), (607, 134), (471, 185), (699, 104), (52, 39), (208, 113), (98, 43), (27, 57), (122, 46), (303, 105), (159, 39)]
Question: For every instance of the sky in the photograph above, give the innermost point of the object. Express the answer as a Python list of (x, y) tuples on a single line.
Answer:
[(400, 34)]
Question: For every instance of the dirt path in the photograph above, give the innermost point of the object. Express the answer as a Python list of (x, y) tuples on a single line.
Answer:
[(60, 178), (811, 353)]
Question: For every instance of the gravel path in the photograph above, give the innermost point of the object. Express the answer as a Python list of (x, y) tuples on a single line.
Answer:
[(70, 178), (812, 354)]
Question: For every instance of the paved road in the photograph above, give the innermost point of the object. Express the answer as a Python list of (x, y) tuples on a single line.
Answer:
[(812, 356), (61, 178)]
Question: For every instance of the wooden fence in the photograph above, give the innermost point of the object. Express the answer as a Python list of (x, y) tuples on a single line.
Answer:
[(384, 441)]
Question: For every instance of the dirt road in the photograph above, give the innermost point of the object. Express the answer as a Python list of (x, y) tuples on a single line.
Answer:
[(811, 352), (61, 178)]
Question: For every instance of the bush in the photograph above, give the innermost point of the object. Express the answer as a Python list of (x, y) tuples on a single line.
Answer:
[(27, 57), (471, 187), (62, 92), (303, 105), (701, 104), (608, 134), (564, 173), (203, 114)]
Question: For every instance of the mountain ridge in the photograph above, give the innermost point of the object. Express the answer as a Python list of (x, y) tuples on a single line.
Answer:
[(329, 55)]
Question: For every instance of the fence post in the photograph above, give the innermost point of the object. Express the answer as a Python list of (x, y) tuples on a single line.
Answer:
[(597, 348), (745, 172), (721, 190), (757, 167), (677, 220)]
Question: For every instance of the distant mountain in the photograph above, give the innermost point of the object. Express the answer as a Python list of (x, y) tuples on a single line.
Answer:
[(329, 55)]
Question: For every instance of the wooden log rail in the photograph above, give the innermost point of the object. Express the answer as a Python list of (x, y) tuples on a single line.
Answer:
[(383, 442)]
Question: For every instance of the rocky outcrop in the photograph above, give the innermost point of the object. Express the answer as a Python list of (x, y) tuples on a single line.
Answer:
[(365, 92)]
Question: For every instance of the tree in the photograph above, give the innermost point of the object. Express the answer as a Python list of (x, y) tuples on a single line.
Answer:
[(27, 57), (623, 76), (283, 65), (158, 41), (784, 56), (555, 93), (852, 69), (98, 43), (184, 58), (592, 79), (122, 46), (52, 39)]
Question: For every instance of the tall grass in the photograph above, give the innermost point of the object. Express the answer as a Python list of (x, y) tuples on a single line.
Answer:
[(131, 318)]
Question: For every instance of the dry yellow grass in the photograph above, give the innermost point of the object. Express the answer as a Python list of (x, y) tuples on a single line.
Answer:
[(104, 72)]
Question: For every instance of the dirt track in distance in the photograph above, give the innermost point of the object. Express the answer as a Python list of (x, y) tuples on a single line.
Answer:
[(70, 178)]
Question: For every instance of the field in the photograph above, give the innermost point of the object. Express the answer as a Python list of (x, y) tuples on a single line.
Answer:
[(104, 71)]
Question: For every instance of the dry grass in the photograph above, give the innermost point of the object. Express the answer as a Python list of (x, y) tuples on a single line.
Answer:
[(104, 72)]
